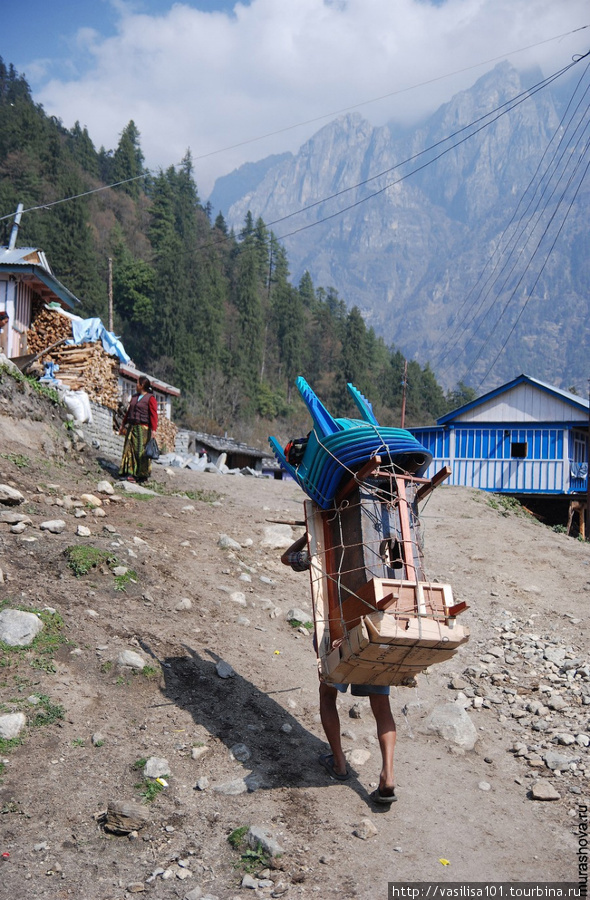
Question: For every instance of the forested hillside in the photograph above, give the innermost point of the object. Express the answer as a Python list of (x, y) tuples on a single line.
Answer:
[(197, 305)]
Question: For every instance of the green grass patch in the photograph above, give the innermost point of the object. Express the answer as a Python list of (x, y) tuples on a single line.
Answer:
[(46, 712), (18, 459), (295, 623), (201, 496), (43, 665), (149, 789), (78, 742), (43, 390), (237, 837), (151, 671), (506, 505), (82, 558), (251, 860), (8, 744), (121, 581), (140, 763)]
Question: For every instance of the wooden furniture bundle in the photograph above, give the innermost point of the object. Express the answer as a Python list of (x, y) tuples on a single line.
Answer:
[(377, 620)]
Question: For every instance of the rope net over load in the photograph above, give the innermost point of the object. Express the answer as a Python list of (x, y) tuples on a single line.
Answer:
[(377, 619)]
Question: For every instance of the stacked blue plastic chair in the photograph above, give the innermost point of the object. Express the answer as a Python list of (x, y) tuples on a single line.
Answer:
[(338, 447)]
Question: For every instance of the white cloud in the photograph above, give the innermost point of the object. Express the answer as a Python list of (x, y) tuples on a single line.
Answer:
[(211, 80)]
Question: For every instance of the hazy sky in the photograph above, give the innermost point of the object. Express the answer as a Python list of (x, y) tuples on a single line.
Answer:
[(211, 74)]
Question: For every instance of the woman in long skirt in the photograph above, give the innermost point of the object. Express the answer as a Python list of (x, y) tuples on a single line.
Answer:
[(139, 424)]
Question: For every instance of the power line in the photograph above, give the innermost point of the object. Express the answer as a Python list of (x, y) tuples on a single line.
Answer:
[(405, 90), (562, 134), (536, 281), (516, 101), (147, 174), (105, 187)]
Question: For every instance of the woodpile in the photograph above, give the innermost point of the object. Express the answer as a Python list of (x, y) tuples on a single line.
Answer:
[(47, 327), (88, 367), (166, 435), (84, 367)]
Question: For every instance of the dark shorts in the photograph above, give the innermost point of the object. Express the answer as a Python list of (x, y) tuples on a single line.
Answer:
[(362, 690)]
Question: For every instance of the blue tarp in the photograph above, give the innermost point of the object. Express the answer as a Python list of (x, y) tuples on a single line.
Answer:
[(93, 330)]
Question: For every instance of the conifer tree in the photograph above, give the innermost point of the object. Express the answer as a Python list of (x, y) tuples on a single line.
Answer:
[(128, 161)]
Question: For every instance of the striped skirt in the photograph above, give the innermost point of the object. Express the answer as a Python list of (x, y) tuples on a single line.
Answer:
[(134, 461)]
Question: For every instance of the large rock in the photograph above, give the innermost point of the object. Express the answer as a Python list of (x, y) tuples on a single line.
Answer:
[(11, 725), (9, 517), (259, 836), (277, 537), (556, 760), (228, 543), (55, 526), (91, 500), (10, 496), (156, 767), (123, 817), (544, 790), (131, 659), (131, 487), (452, 723), (19, 628), (300, 615)]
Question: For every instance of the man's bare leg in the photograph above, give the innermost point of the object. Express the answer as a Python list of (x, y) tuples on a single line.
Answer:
[(331, 725), (386, 733)]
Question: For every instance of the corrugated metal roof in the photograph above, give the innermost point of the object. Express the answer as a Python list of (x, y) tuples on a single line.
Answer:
[(34, 262), (573, 399), (24, 256), (133, 373)]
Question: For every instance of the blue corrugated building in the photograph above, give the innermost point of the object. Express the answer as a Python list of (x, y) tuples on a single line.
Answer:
[(525, 437)]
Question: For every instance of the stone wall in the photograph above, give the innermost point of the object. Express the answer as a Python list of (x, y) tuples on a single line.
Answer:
[(99, 433), (182, 439)]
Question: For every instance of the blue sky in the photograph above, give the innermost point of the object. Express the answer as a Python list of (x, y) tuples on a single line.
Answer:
[(238, 81), (33, 30)]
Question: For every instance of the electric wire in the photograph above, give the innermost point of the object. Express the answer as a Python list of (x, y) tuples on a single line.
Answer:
[(395, 93), (486, 119), (149, 173), (545, 260), (566, 149), (560, 133), (516, 101), (569, 149)]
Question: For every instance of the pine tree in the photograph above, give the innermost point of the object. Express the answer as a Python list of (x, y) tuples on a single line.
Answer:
[(128, 161)]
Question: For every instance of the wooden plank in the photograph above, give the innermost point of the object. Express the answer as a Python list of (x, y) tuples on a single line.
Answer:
[(406, 542), (368, 469), (434, 482)]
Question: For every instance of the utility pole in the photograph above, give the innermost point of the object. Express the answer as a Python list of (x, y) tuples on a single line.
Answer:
[(14, 232), (404, 386), (110, 294)]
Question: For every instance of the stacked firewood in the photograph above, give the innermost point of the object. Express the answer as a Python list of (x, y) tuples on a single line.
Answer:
[(47, 327), (84, 367), (88, 367), (166, 434)]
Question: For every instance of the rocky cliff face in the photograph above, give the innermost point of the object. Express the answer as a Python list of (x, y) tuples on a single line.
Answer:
[(451, 248)]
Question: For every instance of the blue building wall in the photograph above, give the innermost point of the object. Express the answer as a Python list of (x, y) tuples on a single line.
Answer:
[(541, 458)]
